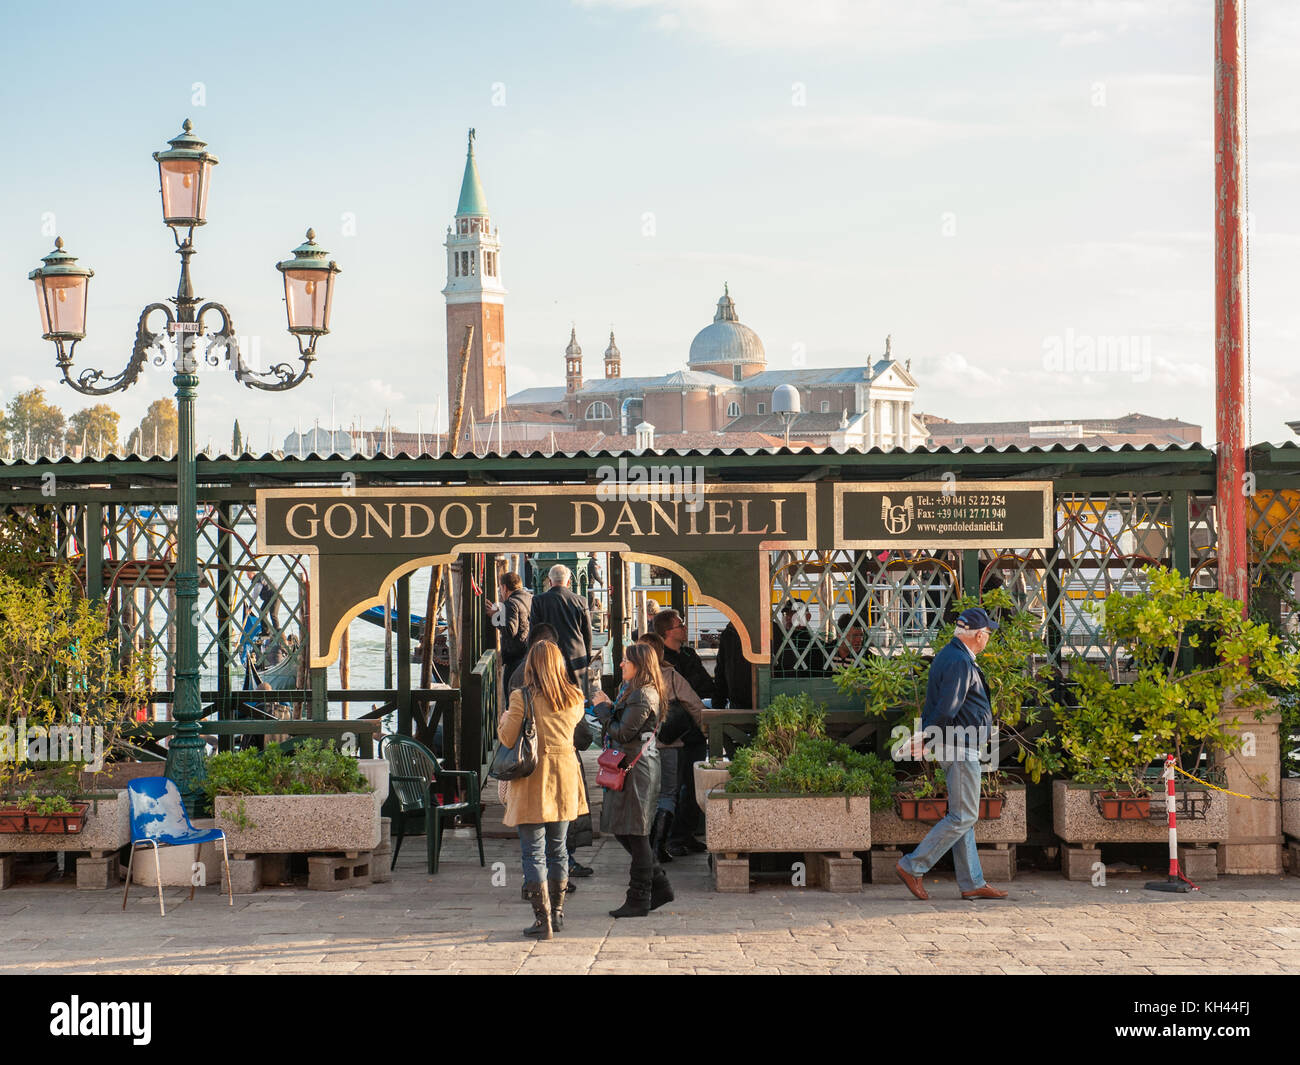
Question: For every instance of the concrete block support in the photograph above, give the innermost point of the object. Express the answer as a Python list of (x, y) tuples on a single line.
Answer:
[(838, 873), (998, 863), (245, 875), (884, 861), (731, 874), (1077, 862), (332, 872), (6, 871), (1198, 863), (95, 873)]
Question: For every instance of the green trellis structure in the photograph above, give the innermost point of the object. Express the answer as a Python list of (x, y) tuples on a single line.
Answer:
[(1117, 510)]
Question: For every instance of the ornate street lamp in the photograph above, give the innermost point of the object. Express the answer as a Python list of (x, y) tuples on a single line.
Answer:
[(185, 171)]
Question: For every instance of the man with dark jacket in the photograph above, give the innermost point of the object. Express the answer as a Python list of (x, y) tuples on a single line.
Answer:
[(957, 705), (568, 616), (733, 678), (511, 617), (671, 628)]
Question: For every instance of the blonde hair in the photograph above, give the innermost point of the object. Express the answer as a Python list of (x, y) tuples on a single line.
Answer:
[(545, 674), (645, 660)]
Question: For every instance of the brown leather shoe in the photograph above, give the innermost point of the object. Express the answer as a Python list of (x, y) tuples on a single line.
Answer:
[(985, 892), (913, 883)]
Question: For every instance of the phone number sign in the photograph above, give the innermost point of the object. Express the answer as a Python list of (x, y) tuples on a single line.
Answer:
[(910, 515)]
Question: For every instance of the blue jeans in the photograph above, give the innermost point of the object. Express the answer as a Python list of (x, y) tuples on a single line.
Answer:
[(542, 845), (956, 832), (669, 758)]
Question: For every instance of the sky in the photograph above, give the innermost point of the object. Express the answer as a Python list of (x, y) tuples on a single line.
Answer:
[(993, 183)]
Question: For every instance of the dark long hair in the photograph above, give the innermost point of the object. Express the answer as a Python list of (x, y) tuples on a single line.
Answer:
[(646, 663)]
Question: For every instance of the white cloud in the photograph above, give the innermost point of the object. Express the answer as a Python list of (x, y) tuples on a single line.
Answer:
[(888, 135), (383, 391)]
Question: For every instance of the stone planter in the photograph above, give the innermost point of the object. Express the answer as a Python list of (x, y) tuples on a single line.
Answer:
[(1075, 819), (1291, 807), (376, 771), (707, 778), (107, 828), (297, 824), (741, 824), (1011, 827)]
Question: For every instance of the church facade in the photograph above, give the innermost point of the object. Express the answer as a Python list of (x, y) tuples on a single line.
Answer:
[(722, 395)]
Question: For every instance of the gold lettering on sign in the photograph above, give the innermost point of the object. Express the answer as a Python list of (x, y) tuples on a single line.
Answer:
[(716, 512), (578, 530), (483, 528), (329, 523), (520, 518), (625, 516), (387, 526), (469, 520), (410, 533), (657, 510), (745, 530), (778, 504), (691, 530), (313, 522)]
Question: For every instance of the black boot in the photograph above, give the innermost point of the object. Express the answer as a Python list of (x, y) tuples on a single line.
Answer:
[(663, 824), (539, 897), (660, 890), (558, 888), (638, 897)]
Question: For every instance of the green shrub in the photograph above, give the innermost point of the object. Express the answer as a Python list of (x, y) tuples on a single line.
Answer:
[(792, 753), (313, 768)]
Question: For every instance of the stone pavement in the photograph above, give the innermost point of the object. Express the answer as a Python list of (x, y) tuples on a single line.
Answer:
[(458, 922)]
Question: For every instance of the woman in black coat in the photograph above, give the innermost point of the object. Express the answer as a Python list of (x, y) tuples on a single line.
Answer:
[(630, 724)]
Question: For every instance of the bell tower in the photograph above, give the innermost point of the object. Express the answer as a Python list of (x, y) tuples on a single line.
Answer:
[(475, 296)]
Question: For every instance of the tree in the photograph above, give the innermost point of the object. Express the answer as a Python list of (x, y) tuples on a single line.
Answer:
[(96, 426), (237, 441), (35, 425), (158, 423)]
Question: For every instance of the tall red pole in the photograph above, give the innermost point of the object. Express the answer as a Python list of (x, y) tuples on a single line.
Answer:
[(1229, 327)]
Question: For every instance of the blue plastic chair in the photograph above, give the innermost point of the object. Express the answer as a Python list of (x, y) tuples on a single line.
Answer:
[(158, 819)]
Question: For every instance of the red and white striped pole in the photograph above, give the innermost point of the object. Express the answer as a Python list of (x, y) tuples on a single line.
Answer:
[(1173, 817), (1176, 882)]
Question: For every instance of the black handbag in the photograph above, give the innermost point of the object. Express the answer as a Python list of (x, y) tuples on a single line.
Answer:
[(676, 724), (513, 763)]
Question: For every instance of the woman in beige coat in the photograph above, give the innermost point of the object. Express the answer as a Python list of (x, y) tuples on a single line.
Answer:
[(542, 804)]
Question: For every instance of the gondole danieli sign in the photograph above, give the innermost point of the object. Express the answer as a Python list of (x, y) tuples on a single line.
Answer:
[(716, 536)]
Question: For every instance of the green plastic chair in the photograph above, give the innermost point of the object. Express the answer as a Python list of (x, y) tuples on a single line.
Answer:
[(414, 775)]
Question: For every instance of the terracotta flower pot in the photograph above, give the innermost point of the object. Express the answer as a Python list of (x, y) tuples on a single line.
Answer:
[(61, 824), (1123, 806), (13, 819), (910, 809)]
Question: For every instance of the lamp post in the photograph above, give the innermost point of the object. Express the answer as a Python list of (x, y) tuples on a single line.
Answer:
[(785, 405), (185, 175)]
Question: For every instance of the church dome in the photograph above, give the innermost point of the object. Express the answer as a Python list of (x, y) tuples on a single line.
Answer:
[(725, 340)]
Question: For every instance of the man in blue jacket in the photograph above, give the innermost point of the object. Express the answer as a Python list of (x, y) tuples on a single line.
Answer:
[(957, 703)]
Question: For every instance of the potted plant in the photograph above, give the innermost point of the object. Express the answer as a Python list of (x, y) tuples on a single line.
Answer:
[(313, 799), (65, 694), (1192, 654), (795, 789), (54, 815), (924, 797)]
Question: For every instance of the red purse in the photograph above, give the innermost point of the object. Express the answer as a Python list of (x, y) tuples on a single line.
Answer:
[(612, 773)]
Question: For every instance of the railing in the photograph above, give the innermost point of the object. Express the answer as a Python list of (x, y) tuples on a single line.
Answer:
[(489, 707)]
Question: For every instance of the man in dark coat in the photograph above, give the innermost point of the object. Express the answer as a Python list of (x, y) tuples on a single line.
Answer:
[(511, 617), (733, 679), (695, 748), (957, 704), (568, 616)]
